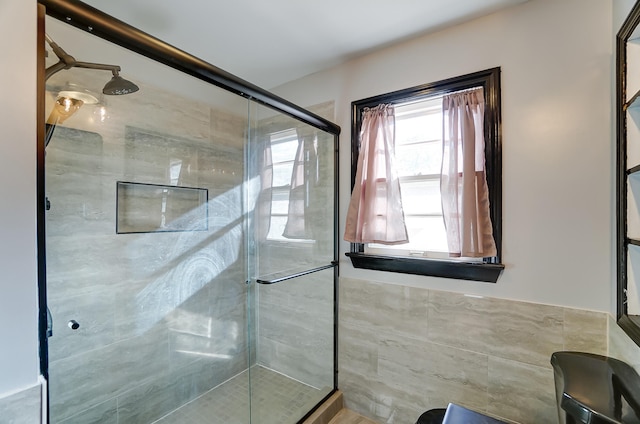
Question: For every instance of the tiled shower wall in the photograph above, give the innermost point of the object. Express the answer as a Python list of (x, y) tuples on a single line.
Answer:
[(23, 407), (162, 315), (405, 350)]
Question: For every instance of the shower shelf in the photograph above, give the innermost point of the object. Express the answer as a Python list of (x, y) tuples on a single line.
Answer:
[(288, 275)]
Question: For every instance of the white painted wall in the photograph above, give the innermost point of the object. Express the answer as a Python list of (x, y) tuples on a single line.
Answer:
[(18, 271), (556, 59), (621, 9)]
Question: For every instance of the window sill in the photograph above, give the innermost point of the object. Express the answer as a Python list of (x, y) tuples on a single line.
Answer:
[(484, 272)]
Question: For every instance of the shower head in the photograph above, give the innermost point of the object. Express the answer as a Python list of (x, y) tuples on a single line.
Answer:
[(116, 86)]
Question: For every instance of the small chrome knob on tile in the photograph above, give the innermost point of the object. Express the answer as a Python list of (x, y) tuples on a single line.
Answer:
[(73, 324)]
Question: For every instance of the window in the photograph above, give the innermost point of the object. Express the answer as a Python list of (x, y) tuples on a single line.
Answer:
[(418, 156)]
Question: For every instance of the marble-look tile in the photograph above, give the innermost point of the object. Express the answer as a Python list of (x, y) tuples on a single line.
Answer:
[(228, 294), (441, 373), (585, 331), (203, 336), (526, 332), (460, 321), (375, 399), (161, 110), (621, 346), (521, 392), (198, 377), (311, 331), (149, 401), (78, 382), (313, 291), (229, 131), (357, 349), (93, 312), (288, 260), (185, 279), (104, 413), (521, 331), (294, 327), (23, 407), (303, 363), (81, 265), (388, 308), (516, 340)]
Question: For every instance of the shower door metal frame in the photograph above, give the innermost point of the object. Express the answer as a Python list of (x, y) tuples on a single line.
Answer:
[(97, 23)]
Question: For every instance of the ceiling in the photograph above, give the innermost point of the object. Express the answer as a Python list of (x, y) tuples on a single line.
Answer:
[(270, 42)]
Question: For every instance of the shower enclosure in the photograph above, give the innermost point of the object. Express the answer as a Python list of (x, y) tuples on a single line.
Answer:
[(188, 237)]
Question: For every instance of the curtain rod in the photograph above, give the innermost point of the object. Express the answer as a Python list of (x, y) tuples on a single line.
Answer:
[(98, 23)]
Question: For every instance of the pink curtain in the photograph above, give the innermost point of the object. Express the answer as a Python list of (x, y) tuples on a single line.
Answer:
[(375, 212), (463, 183)]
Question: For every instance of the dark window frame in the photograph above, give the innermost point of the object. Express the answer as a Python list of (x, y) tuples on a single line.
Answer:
[(490, 269)]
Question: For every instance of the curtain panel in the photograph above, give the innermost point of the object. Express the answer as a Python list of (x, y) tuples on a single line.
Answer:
[(375, 212), (463, 183)]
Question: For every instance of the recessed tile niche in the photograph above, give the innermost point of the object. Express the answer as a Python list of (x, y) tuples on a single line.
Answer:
[(149, 208)]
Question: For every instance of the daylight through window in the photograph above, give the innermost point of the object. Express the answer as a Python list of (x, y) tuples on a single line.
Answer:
[(418, 157), (283, 152), (418, 164)]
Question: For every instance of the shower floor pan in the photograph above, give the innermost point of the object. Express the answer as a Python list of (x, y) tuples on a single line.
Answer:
[(276, 399)]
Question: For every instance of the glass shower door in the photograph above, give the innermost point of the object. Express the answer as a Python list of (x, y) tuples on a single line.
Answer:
[(292, 264), (190, 243), (145, 245)]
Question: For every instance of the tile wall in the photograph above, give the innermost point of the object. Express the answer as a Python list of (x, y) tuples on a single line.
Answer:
[(405, 350), (621, 346), (23, 407), (162, 314)]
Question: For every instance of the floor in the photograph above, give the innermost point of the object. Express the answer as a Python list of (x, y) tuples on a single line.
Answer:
[(276, 399), (346, 416)]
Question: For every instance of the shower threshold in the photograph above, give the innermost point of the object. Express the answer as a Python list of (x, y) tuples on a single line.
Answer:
[(275, 399)]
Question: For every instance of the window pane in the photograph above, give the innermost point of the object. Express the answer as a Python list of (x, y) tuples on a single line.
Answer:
[(419, 128), (421, 197), (280, 202), (277, 228), (426, 234), (419, 159), (282, 174), (283, 151)]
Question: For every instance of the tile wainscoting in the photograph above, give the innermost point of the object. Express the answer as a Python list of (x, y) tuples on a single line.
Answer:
[(621, 346), (405, 350), (23, 407)]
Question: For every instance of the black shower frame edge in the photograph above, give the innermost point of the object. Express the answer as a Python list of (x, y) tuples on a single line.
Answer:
[(95, 22)]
